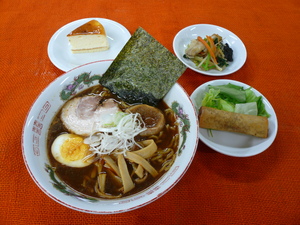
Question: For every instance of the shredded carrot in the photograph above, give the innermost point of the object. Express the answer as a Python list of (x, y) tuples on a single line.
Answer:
[(208, 49), (212, 44)]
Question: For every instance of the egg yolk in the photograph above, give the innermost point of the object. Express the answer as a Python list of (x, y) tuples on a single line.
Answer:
[(74, 149)]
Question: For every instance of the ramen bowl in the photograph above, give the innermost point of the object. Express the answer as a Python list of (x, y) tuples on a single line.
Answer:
[(50, 101)]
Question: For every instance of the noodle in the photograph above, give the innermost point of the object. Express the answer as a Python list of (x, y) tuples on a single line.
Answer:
[(167, 165), (174, 142), (157, 138)]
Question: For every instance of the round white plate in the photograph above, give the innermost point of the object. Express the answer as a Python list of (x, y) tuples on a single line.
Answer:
[(59, 49), (184, 37), (234, 144)]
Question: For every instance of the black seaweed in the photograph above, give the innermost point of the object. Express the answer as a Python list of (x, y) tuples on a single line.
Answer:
[(144, 71), (228, 52)]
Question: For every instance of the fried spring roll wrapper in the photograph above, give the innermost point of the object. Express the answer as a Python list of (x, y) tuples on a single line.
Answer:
[(216, 119)]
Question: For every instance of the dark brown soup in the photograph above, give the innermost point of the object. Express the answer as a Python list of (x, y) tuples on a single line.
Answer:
[(85, 179)]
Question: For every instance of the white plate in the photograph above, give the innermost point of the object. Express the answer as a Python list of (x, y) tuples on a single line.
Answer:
[(235, 144), (59, 49), (184, 37), (50, 101)]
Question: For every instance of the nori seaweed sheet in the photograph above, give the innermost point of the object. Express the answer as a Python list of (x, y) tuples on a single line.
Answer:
[(144, 70)]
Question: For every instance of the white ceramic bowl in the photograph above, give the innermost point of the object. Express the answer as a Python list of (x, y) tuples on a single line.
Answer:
[(50, 101), (234, 144), (184, 37)]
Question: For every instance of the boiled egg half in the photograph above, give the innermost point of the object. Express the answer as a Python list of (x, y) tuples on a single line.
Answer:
[(70, 150)]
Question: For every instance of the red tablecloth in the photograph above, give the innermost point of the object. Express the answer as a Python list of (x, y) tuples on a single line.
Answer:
[(217, 189)]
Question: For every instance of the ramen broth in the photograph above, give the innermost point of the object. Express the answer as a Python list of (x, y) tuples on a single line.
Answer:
[(84, 179)]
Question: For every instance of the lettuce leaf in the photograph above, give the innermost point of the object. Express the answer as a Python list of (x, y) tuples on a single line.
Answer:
[(212, 99), (226, 97), (251, 97), (231, 93), (249, 108), (261, 108)]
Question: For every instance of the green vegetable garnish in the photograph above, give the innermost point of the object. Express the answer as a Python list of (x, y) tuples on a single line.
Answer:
[(226, 97)]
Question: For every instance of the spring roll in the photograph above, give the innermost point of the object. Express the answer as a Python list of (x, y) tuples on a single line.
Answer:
[(211, 118)]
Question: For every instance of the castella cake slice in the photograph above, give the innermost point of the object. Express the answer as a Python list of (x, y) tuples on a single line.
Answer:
[(89, 37)]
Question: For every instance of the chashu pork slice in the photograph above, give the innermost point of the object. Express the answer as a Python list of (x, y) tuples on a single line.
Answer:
[(82, 115)]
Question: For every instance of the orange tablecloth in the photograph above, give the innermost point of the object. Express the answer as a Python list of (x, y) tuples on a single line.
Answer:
[(217, 189)]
